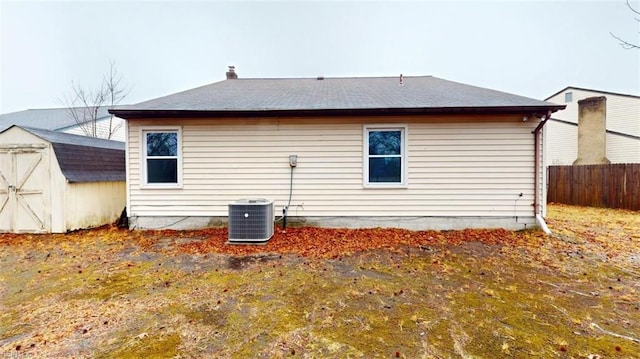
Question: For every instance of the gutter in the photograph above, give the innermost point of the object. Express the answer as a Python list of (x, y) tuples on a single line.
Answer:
[(536, 206), (129, 113)]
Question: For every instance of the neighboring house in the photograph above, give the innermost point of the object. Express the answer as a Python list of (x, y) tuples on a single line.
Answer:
[(57, 182), (60, 119), (412, 152), (622, 126)]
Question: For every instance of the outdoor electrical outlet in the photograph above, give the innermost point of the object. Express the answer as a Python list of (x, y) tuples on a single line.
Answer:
[(293, 160)]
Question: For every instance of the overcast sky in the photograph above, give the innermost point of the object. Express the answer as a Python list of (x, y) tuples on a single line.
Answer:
[(533, 48)]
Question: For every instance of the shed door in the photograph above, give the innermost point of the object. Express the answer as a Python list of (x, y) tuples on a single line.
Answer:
[(23, 178)]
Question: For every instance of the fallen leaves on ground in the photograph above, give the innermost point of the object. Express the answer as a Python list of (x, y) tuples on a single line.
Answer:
[(333, 243), (315, 292)]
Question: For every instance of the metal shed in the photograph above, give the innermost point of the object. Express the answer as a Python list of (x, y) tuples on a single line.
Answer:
[(52, 182)]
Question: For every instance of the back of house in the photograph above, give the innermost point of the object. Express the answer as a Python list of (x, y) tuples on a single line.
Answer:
[(410, 151)]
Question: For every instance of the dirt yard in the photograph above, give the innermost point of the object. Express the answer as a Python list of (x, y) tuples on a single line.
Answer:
[(312, 293)]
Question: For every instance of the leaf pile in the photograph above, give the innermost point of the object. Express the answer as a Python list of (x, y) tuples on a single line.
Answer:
[(333, 243)]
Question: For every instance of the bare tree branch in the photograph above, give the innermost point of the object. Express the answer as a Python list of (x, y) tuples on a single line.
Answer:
[(625, 44), (634, 10), (115, 93), (83, 105)]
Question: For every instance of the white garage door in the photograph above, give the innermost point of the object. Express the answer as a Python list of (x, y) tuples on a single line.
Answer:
[(24, 205)]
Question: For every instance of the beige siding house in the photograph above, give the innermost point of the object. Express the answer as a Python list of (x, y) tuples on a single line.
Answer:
[(414, 152), (53, 182), (622, 127)]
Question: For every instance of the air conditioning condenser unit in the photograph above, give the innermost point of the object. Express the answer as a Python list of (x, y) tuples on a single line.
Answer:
[(251, 220)]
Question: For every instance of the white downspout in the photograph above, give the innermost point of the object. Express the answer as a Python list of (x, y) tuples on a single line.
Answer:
[(540, 221), (537, 180)]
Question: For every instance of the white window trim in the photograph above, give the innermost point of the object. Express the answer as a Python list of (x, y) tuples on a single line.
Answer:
[(143, 156), (404, 129)]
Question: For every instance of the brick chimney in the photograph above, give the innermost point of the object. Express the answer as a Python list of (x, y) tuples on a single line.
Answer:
[(592, 131), (231, 74)]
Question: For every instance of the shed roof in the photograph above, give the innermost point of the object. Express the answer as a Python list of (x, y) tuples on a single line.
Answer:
[(322, 96), (85, 159), (46, 118)]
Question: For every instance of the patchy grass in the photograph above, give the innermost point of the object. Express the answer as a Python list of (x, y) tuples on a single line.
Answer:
[(311, 292)]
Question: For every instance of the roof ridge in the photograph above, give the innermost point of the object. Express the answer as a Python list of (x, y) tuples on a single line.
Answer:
[(51, 109), (592, 90), (51, 136), (329, 77)]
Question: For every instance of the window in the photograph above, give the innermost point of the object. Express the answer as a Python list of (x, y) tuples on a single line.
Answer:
[(161, 157), (385, 156), (568, 97)]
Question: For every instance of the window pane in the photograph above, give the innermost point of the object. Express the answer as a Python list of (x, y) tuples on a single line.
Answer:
[(386, 169), (384, 142), (568, 96), (162, 144), (162, 171)]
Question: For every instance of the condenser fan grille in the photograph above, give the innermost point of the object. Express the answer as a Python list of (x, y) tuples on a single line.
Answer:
[(251, 220)]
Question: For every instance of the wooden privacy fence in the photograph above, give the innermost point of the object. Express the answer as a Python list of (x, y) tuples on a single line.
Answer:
[(611, 186)]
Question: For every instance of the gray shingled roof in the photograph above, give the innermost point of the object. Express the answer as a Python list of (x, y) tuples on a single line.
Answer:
[(85, 159), (71, 139), (365, 93), (53, 119)]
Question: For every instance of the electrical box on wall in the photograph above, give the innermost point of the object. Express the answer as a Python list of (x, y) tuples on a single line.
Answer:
[(293, 160)]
